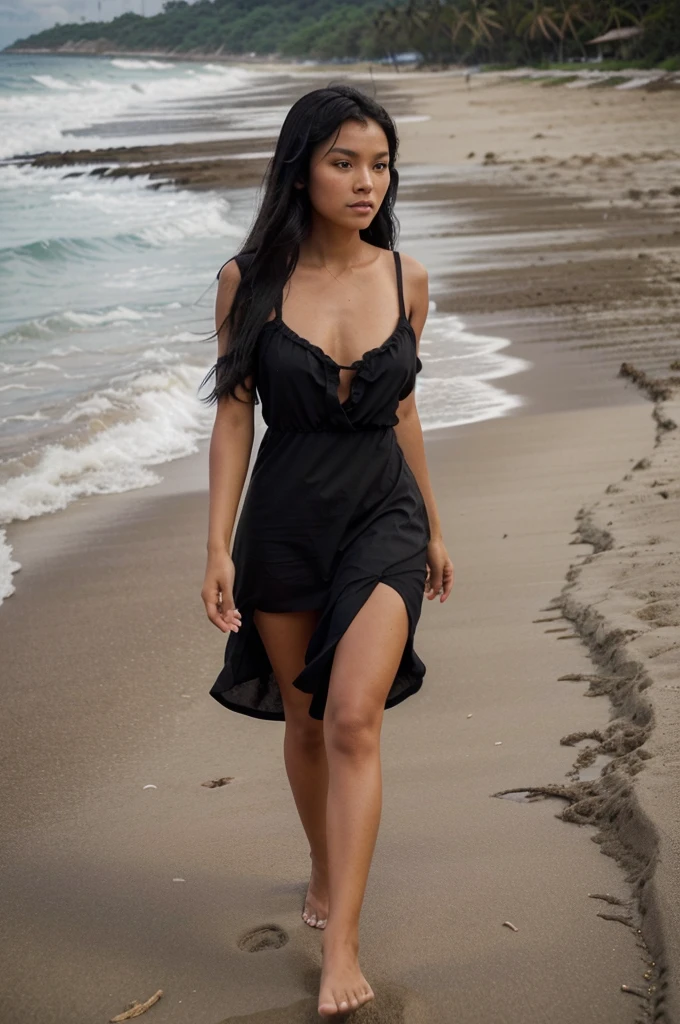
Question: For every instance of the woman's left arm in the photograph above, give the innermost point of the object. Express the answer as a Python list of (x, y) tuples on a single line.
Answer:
[(410, 437)]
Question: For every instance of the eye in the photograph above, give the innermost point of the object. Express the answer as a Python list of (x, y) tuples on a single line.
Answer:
[(382, 165), (342, 162)]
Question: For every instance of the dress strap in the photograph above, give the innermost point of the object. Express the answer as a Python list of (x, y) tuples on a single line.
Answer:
[(223, 266), (242, 260), (400, 283)]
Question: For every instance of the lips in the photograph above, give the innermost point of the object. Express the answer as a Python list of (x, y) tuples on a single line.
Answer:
[(361, 206)]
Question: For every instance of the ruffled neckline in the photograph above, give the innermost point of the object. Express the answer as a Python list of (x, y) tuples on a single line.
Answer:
[(322, 354)]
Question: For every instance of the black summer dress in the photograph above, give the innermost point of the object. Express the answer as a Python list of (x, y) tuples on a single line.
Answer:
[(331, 510)]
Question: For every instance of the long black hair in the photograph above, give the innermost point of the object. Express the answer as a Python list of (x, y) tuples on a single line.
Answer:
[(283, 221)]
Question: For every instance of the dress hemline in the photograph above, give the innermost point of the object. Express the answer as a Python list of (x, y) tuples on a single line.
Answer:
[(275, 716)]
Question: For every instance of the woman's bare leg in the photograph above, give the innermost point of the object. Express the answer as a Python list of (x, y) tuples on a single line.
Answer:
[(365, 664), (285, 636)]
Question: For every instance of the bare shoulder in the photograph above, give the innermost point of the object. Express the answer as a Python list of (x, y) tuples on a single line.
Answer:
[(414, 271), (416, 290), (228, 281)]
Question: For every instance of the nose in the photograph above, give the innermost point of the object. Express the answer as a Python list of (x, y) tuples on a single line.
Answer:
[(363, 181)]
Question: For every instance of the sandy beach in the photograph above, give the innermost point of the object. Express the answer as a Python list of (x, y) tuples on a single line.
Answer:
[(529, 855)]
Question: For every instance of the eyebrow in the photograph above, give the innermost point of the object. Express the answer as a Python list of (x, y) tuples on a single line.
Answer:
[(351, 152)]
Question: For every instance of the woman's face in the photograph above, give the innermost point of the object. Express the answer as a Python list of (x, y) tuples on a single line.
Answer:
[(349, 175)]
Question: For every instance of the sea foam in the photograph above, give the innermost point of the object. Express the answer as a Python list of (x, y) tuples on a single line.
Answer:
[(41, 118), (154, 418)]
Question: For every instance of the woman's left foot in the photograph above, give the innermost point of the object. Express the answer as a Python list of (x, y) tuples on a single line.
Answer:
[(343, 986), (315, 912)]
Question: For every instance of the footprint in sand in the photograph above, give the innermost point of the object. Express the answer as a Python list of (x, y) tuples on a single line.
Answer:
[(267, 936)]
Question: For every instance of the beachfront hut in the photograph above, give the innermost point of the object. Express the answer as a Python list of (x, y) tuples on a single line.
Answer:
[(617, 40)]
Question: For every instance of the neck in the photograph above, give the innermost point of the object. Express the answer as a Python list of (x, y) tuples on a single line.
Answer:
[(331, 246)]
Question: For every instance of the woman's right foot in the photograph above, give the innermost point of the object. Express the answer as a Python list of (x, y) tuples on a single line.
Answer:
[(343, 986), (315, 912)]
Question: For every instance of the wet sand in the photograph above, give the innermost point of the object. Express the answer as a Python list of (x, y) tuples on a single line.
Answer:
[(112, 696), (566, 560)]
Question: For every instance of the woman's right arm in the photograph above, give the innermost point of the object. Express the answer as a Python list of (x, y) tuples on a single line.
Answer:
[(230, 448)]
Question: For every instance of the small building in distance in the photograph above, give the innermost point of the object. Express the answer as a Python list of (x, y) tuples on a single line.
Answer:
[(616, 42)]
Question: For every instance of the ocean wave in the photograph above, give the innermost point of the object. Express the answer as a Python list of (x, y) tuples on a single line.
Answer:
[(446, 402), (61, 351), (21, 176), (92, 408), (48, 249), (457, 364), (458, 352), (50, 82), (122, 432), (218, 69), (121, 314), (199, 223), (37, 364), (23, 417), (8, 566), (154, 418), (41, 118), (210, 223), (71, 321), (159, 355), (133, 64)]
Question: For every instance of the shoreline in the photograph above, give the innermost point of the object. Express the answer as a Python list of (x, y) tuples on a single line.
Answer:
[(540, 257), (272, 62), (492, 301)]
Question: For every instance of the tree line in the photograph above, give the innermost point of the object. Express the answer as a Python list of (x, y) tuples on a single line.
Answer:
[(442, 32), (530, 31)]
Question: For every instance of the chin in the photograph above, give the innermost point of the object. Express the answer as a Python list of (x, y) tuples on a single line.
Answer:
[(361, 220)]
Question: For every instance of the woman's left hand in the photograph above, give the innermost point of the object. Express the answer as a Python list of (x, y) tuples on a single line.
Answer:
[(439, 578)]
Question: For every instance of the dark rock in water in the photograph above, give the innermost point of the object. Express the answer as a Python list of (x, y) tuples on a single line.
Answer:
[(218, 164)]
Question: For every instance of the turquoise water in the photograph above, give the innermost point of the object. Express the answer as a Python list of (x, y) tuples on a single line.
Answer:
[(107, 286)]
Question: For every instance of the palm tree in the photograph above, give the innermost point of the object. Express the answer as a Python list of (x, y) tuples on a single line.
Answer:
[(483, 18), (510, 14), (478, 19), (618, 16), (415, 18), (571, 12), (387, 24), (423, 23), (539, 23), (455, 22)]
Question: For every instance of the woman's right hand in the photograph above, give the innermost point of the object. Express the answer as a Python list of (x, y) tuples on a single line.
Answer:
[(217, 593)]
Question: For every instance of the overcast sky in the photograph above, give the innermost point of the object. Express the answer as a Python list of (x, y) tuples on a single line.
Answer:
[(20, 18)]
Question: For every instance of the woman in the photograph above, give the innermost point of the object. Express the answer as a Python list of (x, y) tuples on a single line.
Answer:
[(339, 536)]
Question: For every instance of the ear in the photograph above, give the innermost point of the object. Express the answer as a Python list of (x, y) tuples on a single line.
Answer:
[(298, 184)]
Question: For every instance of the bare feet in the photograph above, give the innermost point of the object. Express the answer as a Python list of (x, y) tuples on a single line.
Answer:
[(315, 912), (343, 986)]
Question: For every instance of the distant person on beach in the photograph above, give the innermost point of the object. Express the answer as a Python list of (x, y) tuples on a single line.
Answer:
[(339, 537)]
